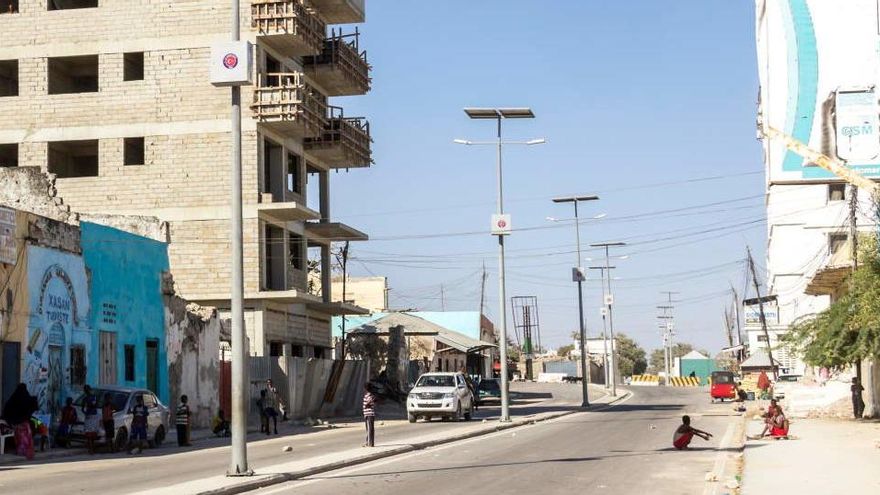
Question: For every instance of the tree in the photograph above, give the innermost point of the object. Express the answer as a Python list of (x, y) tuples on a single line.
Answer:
[(631, 358), (849, 330), (565, 351)]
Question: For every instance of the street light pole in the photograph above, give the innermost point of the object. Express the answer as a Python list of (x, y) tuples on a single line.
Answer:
[(238, 465), (497, 114), (578, 276), (609, 302), (604, 310)]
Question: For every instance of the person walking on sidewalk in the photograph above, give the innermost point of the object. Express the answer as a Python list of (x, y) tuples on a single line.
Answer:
[(107, 422), (139, 414), (370, 416), (182, 417), (857, 402), (272, 401), (92, 421)]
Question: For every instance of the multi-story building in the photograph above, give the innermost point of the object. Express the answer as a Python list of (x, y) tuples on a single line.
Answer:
[(114, 98), (819, 67)]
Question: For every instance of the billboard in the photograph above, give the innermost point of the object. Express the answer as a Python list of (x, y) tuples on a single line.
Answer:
[(753, 314), (818, 63)]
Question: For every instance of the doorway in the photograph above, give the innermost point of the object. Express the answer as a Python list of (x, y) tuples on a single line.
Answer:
[(53, 388), (153, 366), (11, 369), (107, 355)]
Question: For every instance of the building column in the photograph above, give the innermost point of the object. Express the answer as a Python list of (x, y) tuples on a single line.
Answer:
[(326, 273), (324, 195)]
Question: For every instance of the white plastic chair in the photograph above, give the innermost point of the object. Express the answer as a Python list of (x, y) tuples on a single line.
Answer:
[(4, 426)]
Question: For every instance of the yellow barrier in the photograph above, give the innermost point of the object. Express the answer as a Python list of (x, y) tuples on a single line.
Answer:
[(684, 381)]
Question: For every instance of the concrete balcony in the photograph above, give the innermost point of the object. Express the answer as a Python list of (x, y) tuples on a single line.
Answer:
[(344, 142), (341, 68), (341, 11), (284, 211), (290, 26), (828, 280), (327, 232), (285, 103)]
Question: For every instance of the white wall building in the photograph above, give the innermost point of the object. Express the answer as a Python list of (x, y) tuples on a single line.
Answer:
[(818, 64)]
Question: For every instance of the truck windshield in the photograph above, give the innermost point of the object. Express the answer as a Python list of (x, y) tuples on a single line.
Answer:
[(436, 381)]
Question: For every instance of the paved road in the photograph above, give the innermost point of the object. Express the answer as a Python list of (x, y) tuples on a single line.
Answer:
[(625, 449), (168, 465)]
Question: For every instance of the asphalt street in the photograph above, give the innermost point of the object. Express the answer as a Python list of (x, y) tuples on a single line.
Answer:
[(625, 449), (169, 465)]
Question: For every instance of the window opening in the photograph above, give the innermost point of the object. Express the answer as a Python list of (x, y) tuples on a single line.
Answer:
[(133, 151), (133, 66), (9, 155), (74, 158), (73, 75), (129, 362), (8, 78), (72, 4)]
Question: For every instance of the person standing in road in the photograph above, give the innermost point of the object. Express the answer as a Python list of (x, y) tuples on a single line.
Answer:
[(370, 416), (857, 402), (764, 385), (182, 417), (139, 414)]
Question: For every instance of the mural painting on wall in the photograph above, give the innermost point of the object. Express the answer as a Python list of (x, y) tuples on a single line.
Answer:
[(54, 359)]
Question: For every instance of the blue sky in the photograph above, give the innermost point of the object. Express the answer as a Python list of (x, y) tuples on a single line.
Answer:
[(649, 104)]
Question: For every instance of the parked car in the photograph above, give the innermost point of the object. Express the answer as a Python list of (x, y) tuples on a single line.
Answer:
[(783, 383), (123, 399), (443, 395), (489, 389)]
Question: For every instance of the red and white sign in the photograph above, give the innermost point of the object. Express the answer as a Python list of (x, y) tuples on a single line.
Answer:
[(501, 224), (232, 63)]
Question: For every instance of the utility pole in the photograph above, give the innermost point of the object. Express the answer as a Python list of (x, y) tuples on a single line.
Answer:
[(609, 303), (604, 312), (854, 246), (667, 330), (761, 311), (238, 465), (483, 289), (342, 259)]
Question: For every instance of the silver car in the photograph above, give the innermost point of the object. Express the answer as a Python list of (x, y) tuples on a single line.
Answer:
[(123, 399), (444, 395)]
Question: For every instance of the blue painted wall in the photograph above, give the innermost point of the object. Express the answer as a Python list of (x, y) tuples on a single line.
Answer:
[(126, 297)]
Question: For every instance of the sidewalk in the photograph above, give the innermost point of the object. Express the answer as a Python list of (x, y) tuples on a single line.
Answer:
[(824, 457), (287, 471)]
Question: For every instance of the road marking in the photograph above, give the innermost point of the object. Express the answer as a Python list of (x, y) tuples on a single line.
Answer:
[(430, 450), (717, 472)]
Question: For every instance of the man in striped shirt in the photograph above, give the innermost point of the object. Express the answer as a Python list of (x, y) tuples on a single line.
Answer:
[(181, 417), (370, 415)]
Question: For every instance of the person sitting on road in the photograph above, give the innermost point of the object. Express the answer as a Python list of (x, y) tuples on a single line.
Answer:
[(768, 417), (685, 433), (219, 425), (779, 424)]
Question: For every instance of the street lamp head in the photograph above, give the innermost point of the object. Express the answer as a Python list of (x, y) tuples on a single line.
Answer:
[(608, 244), (532, 142), (600, 215), (624, 257), (461, 141), (573, 199), (551, 219), (499, 113)]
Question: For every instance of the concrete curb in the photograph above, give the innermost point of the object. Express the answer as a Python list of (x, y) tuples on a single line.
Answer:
[(276, 479)]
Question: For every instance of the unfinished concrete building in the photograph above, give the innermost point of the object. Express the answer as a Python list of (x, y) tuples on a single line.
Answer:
[(114, 98)]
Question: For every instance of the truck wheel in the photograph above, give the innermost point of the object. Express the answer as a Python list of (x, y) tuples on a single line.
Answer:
[(411, 418)]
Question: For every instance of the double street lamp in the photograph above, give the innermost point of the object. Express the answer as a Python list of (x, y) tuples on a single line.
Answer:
[(577, 275), (501, 225)]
